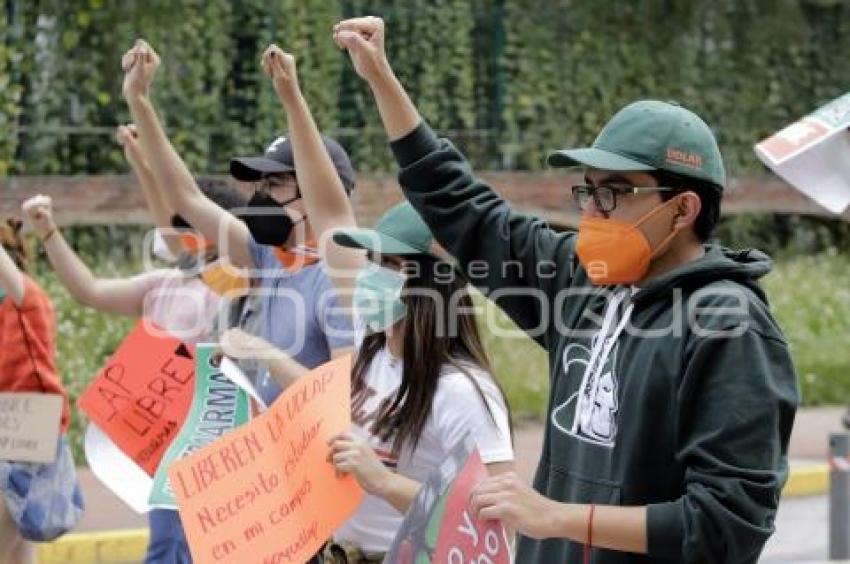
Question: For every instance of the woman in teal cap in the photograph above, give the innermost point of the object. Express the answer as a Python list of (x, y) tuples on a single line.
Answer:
[(421, 380)]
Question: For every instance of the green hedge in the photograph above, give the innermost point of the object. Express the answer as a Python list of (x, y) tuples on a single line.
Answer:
[(509, 79)]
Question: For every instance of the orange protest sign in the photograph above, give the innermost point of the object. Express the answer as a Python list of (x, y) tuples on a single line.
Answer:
[(265, 491), (142, 395)]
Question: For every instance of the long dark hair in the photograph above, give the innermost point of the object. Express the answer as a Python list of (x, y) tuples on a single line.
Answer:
[(439, 329), (13, 242)]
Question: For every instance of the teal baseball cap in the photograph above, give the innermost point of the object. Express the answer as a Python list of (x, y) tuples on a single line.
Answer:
[(651, 135), (400, 231)]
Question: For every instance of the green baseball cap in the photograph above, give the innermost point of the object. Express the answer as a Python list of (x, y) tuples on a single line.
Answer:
[(650, 135), (400, 231)]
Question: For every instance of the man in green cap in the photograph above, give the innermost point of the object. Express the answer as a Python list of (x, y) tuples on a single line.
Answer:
[(672, 392)]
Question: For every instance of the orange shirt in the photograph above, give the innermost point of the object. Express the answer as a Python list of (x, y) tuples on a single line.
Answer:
[(28, 346)]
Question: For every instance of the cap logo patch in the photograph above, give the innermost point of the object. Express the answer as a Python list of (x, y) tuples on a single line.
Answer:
[(275, 144), (684, 158)]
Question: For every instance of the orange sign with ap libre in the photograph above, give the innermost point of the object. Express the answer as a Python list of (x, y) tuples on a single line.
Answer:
[(142, 395)]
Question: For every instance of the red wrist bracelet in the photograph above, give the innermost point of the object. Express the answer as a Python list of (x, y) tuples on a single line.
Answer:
[(589, 544)]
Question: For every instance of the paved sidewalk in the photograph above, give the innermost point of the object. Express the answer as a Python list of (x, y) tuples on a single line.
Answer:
[(810, 438), (801, 532)]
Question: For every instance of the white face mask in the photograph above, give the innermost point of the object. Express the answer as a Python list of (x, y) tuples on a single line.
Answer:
[(161, 250)]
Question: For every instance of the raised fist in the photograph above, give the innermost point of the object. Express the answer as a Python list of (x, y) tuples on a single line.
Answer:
[(139, 65), (39, 211), (363, 38), (128, 138), (280, 67)]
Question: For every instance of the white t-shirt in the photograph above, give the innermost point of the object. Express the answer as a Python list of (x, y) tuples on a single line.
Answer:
[(182, 305), (457, 410)]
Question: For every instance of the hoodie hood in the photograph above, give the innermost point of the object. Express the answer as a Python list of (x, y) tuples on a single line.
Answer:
[(719, 263)]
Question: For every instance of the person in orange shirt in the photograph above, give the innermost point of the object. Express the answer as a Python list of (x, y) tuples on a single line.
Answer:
[(183, 299), (39, 501)]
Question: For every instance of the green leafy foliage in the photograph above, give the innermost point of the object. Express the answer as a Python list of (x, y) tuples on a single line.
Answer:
[(508, 80)]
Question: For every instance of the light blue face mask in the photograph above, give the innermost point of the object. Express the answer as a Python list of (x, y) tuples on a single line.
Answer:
[(2, 294), (377, 297)]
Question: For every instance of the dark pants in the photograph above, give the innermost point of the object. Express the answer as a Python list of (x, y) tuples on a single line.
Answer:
[(167, 544)]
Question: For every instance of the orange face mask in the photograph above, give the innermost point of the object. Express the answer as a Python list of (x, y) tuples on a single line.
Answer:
[(225, 280), (616, 252), (296, 258), (193, 243)]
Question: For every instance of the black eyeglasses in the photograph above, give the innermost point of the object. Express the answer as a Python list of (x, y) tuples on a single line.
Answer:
[(605, 197), (267, 183), (277, 180)]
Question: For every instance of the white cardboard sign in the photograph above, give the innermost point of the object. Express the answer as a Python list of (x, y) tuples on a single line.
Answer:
[(29, 426), (116, 470), (813, 154)]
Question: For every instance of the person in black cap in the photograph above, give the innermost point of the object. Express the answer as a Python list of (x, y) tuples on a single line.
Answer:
[(296, 322), (276, 182)]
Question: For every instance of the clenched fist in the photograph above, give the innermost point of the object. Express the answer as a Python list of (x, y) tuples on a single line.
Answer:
[(139, 65), (363, 38), (128, 138), (39, 211), (280, 67), (353, 455)]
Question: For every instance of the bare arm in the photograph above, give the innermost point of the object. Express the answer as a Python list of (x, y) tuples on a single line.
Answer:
[(154, 195), (400, 492), (169, 170), (364, 40), (328, 206), (120, 296), (11, 279), (237, 343), (509, 499)]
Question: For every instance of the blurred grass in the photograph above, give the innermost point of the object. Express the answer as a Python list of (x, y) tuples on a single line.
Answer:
[(810, 296)]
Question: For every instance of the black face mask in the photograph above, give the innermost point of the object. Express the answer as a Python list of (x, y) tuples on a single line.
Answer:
[(177, 222), (274, 225)]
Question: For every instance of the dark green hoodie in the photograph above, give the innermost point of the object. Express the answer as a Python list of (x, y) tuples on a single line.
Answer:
[(690, 405)]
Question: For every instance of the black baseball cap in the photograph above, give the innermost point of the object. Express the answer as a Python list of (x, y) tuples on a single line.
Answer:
[(278, 159)]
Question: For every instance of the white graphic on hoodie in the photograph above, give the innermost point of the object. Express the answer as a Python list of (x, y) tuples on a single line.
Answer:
[(590, 414)]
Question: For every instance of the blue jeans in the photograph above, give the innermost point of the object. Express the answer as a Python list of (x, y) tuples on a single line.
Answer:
[(167, 544)]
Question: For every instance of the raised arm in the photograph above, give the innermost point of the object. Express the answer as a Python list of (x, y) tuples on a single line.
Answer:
[(120, 296), (468, 218), (328, 206), (364, 40), (169, 170), (11, 279), (159, 209)]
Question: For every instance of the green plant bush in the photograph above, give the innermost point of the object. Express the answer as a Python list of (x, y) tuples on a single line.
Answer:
[(509, 79)]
